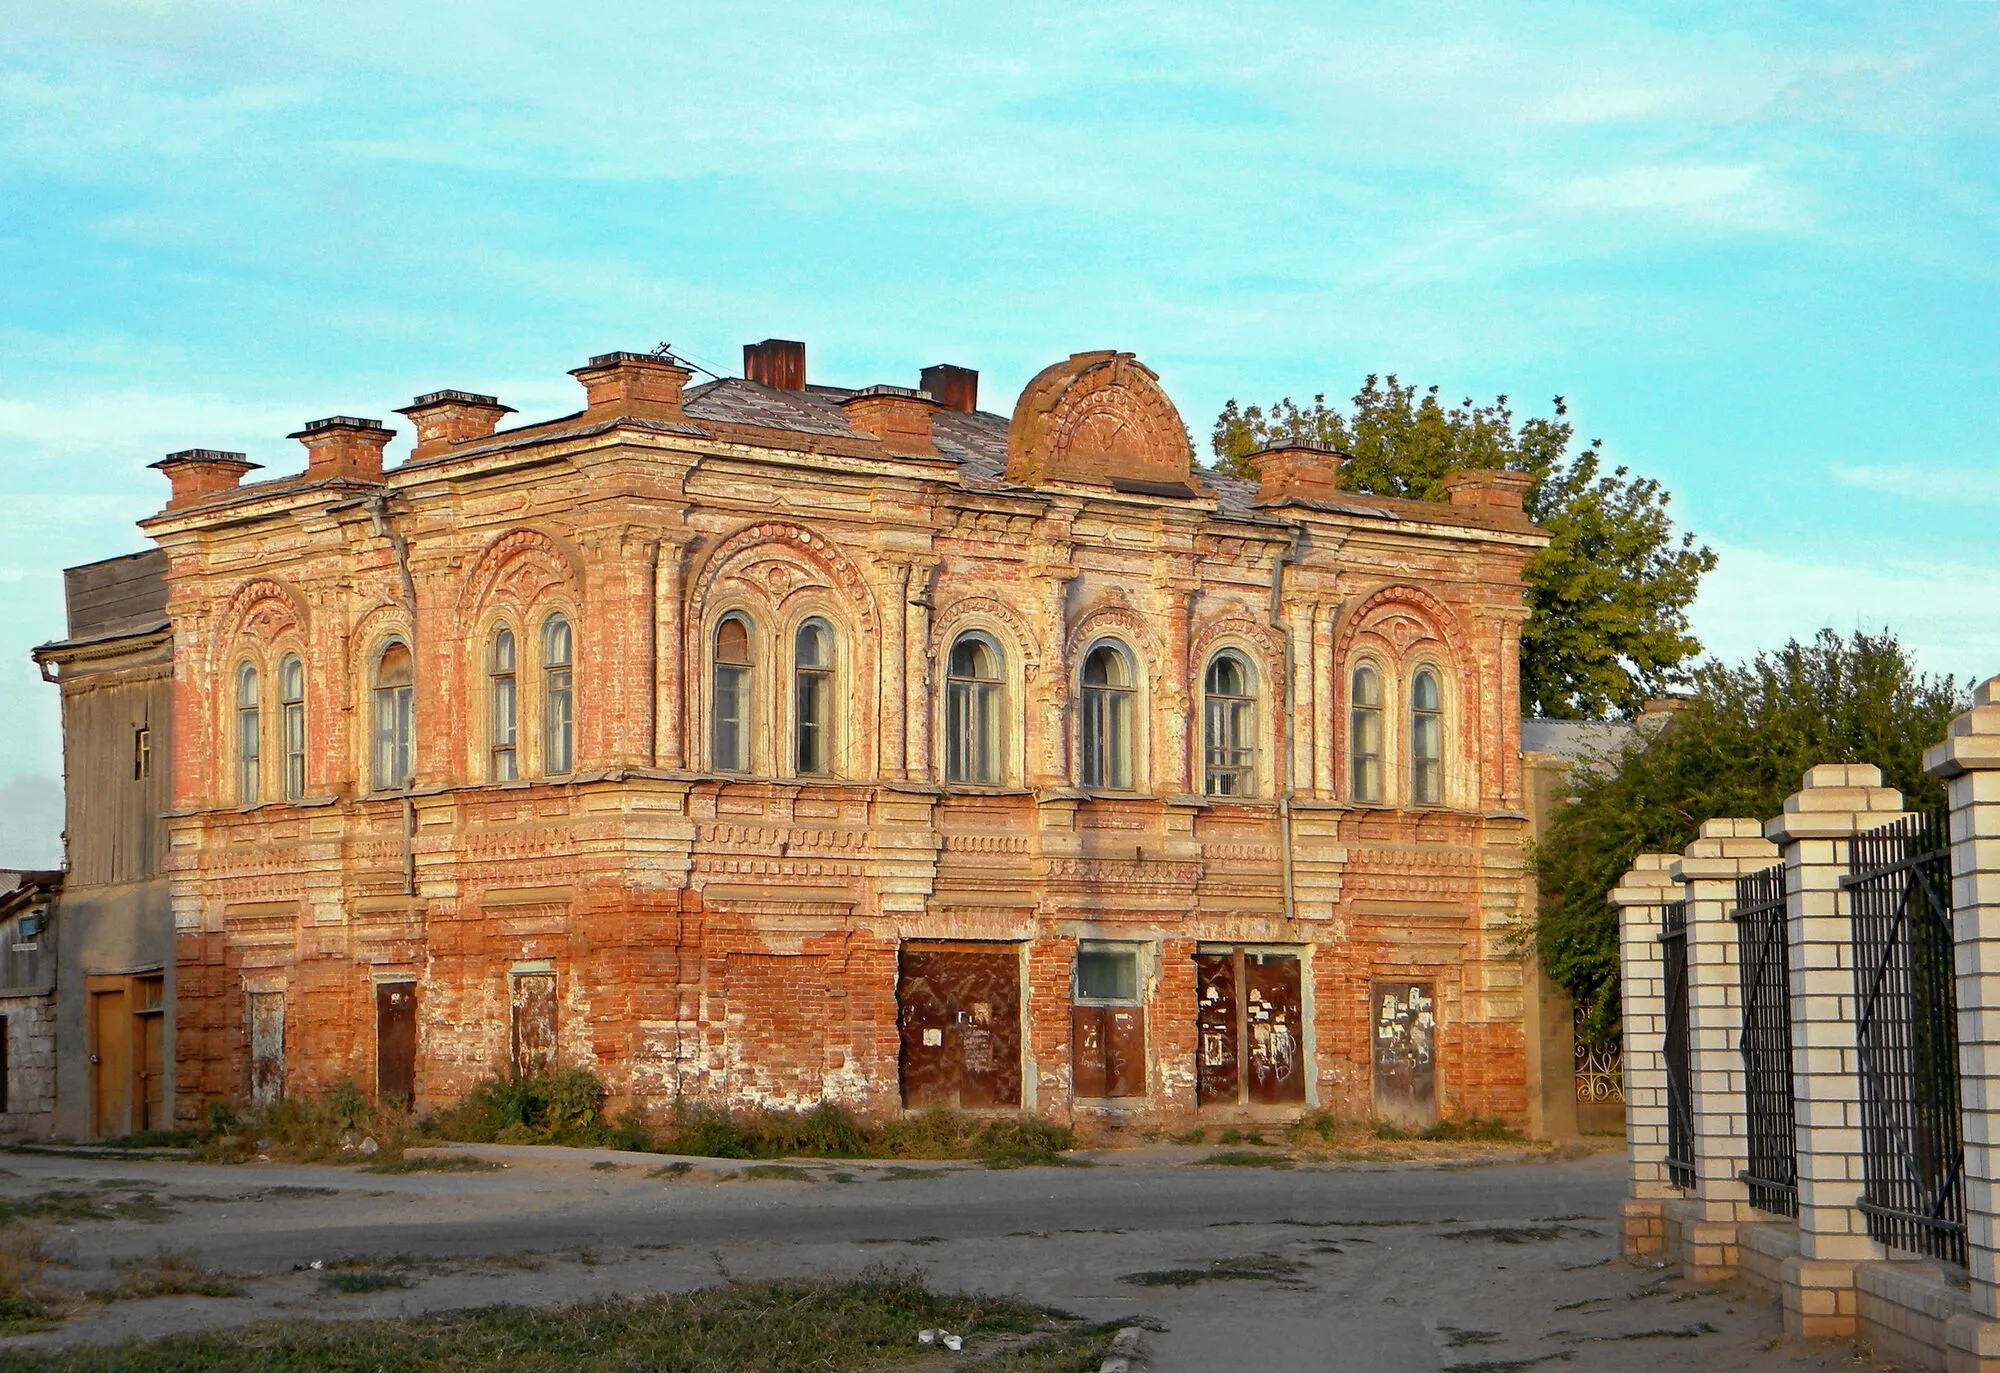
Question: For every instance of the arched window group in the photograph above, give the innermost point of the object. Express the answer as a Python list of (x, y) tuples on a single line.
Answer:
[(251, 718), (393, 715), (973, 745), (1368, 742), (554, 704), (812, 737)]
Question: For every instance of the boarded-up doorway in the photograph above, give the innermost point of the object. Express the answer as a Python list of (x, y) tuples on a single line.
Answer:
[(1108, 1022), (1405, 1022), (267, 1047), (395, 1043), (958, 1007), (1250, 1044), (534, 1019)]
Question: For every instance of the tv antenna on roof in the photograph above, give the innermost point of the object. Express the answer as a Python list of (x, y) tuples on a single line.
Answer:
[(665, 352)]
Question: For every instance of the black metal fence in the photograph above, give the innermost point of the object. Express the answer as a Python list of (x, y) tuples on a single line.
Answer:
[(1772, 1170), (1906, 1021), (1678, 1049)]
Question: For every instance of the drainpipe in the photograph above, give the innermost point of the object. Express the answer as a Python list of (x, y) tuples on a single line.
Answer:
[(1290, 554), (378, 513)]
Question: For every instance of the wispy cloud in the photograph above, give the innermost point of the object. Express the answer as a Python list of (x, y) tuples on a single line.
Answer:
[(1920, 482)]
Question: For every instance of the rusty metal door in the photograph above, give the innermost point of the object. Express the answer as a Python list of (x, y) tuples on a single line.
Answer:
[(534, 1018), (1110, 1048), (1405, 1023), (110, 1061), (267, 1047), (1274, 1039), (395, 1043), (1217, 1080), (958, 1009)]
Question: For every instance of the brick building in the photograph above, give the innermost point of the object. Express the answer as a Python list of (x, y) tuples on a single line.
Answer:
[(761, 743)]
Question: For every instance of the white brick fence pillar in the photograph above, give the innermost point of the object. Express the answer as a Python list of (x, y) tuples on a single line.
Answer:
[(1836, 802), (1969, 761), (1641, 897), (1722, 851)]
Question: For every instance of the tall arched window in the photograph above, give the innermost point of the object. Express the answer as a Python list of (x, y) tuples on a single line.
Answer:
[(1364, 735), (503, 708), (812, 698), (558, 696), (1106, 722), (395, 693), (730, 742), (1426, 739), (972, 740), (292, 723), (249, 737), (1230, 733)]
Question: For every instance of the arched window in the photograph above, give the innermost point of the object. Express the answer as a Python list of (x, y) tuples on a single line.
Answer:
[(1106, 723), (972, 738), (731, 703), (812, 698), (249, 737), (1364, 735), (504, 708), (395, 693), (292, 723), (1230, 726), (1426, 739), (558, 696)]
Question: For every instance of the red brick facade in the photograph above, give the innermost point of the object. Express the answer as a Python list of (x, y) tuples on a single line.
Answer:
[(733, 935)]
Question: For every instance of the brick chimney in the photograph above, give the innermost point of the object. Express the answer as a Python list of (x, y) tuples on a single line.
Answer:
[(199, 472), (633, 385), (955, 388), (776, 362), (1486, 488), (898, 416), (343, 446), (1297, 471), (444, 418)]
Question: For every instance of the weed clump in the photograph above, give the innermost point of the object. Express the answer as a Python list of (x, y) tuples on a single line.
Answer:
[(827, 1131)]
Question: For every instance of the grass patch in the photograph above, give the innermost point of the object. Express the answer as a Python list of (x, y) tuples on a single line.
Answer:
[(1243, 1158), (167, 1275), (773, 1327), (27, 1301), (827, 1131), (354, 1281), (449, 1163), (1249, 1268), (1515, 1234), (154, 1139), (898, 1173), (777, 1172), (605, 1166), (67, 1208), (679, 1168)]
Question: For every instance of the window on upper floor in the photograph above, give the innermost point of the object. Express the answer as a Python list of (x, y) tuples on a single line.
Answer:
[(1426, 739), (812, 698), (972, 729), (394, 708), (503, 708), (1107, 723), (292, 723), (558, 696), (729, 705), (1229, 726), (1364, 735), (249, 737)]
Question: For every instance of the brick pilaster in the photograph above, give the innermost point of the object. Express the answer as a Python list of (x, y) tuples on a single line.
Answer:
[(1969, 762), (1640, 896)]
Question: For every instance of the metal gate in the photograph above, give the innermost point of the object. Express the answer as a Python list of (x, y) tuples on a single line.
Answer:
[(1761, 962), (1680, 1080), (1906, 1022)]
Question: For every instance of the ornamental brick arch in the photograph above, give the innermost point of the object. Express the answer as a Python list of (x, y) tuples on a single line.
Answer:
[(262, 612), (991, 615), (774, 561), (1404, 627), (1115, 619), (1096, 417), (1243, 633), (520, 568), (1402, 617)]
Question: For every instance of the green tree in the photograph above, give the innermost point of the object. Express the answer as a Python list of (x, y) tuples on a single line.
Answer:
[(1738, 747), (1607, 626)]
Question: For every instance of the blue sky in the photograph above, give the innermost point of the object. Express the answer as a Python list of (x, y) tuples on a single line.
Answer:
[(1754, 245)]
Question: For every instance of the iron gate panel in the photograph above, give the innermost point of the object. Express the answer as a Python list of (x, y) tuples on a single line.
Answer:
[(1680, 1080), (1906, 1025), (1761, 964)]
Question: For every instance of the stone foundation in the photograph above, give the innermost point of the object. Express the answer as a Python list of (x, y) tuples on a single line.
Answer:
[(1763, 1251)]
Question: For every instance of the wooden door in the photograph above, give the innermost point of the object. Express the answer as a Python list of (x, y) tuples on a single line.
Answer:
[(395, 1043), (110, 1062), (534, 1022), (1217, 1080), (1405, 1033), (267, 1047), (958, 1009), (1274, 1038)]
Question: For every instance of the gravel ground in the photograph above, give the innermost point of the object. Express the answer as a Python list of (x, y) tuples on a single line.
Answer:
[(1496, 1267)]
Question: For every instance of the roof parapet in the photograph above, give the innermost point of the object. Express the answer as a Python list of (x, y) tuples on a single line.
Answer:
[(633, 386), (344, 446), (899, 417), (197, 473), (444, 418)]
